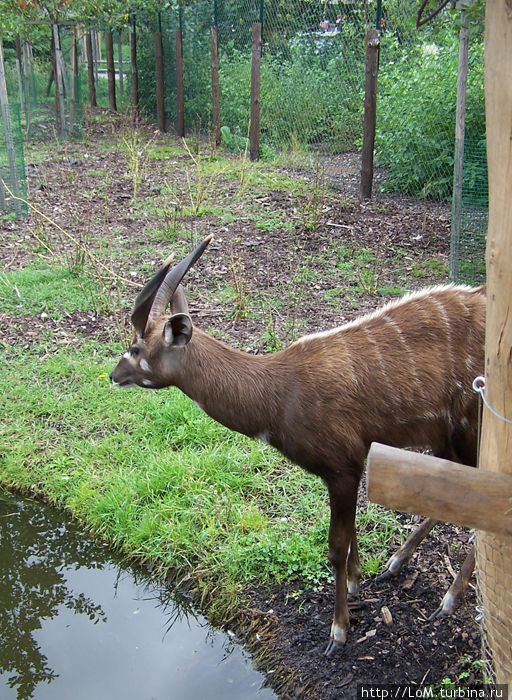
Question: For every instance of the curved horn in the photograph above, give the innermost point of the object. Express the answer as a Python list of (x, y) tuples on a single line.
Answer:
[(174, 277), (146, 297)]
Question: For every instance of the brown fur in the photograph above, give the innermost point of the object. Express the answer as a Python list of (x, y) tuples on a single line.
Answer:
[(401, 376)]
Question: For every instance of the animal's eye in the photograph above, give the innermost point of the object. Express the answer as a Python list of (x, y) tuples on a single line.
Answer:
[(134, 351)]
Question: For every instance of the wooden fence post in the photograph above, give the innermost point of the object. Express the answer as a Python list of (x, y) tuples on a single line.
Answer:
[(214, 51), (370, 112), (494, 553), (180, 94), (159, 67), (60, 82), (134, 71), (460, 130), (90, 69), (111, 70), (254, 137)]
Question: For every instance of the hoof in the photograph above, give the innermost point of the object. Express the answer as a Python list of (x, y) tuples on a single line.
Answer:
[(384, 577), (438, 614), (338, 637), (331, 647), (446, 607)]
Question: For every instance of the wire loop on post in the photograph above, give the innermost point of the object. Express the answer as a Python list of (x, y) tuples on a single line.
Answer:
[(479, 387)]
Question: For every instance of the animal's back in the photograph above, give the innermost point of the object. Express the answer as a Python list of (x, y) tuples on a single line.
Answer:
[(401, 375)]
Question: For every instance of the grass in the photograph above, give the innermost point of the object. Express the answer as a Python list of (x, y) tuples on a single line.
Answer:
[(44, 289)]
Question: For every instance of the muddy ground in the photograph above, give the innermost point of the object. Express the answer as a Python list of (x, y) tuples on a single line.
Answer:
[(334, 259)]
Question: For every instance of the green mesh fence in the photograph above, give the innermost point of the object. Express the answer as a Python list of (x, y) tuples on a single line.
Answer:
[(12, 163), (469, 247), (44, 116)]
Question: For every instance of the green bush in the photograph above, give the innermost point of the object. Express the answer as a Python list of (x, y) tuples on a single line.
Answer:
[(416, 117)]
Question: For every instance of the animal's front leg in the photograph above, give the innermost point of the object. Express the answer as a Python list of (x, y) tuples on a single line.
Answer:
[(341, 532)]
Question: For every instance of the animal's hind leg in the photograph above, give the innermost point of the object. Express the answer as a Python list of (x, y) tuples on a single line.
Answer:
[(453, 596), (353, 567), (405, 552)]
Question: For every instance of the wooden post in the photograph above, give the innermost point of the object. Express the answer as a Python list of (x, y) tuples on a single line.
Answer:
[(60, 84), (214, 52), (133, 67), (180, 94), (19, 71), (159, 69), (75, 93), (494, 553), (460, 124), (111, 70), (370, 112), (429, 486), (120, 68), (90, 69), (254, 133)]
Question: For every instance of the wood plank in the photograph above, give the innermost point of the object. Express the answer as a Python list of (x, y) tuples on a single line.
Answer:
[(439, 489)]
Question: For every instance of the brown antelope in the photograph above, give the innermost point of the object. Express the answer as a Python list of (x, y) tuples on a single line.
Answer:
[(401, 375)]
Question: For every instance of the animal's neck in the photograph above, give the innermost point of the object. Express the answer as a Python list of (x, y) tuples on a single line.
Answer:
[(242, 391)]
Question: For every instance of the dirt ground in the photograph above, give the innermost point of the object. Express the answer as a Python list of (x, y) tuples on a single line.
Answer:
[(292, 282)]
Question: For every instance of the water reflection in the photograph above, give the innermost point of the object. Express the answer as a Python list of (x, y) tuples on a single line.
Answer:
[(74, 624)]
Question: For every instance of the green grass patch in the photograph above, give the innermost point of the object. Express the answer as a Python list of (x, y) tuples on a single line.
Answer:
[(38, 289)]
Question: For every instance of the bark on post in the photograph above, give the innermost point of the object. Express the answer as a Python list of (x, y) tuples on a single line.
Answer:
[(90, 69), (180, 93), (134, 71), (494, 553), (254, 137), (111, 70), (370, 112), (214, 51), (160, 90)]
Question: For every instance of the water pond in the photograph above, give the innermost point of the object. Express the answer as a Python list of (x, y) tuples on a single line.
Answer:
[(76, 625)]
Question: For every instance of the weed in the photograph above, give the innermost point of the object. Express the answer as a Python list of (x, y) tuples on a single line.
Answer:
[(314, 205), (136, 150), (239, 282), (201, 186)]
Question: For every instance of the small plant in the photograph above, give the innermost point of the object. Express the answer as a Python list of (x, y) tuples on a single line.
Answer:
[(314, 206), (239, 282), (200, 188), (137, 150)]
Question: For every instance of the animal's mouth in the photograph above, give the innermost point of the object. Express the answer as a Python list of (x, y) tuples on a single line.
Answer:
[(122, 385)]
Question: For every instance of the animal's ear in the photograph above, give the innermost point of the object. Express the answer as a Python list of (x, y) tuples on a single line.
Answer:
[(178, 330)]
